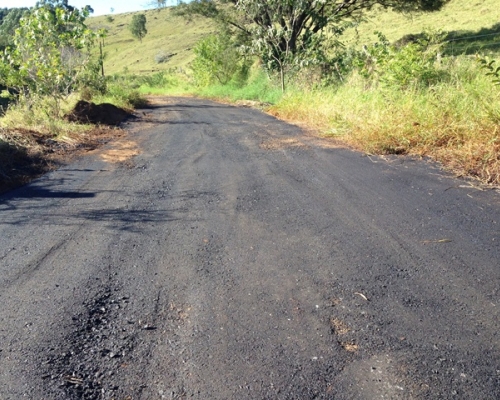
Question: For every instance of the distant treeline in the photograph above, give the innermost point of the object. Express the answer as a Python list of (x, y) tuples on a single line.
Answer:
[(9, 21)]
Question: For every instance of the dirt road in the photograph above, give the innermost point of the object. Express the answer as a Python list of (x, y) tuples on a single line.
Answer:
[(217, 253)]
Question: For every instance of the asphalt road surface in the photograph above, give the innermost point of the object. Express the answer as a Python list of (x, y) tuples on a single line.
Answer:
[(215, 252)]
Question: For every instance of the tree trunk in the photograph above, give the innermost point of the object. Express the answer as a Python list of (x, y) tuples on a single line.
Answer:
[(282, 76), (102, 57)]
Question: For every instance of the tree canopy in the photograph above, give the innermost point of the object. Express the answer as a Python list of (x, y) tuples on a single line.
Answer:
[(9, 22), (282, 31), (138, 26), (62, 4), (52, 54)]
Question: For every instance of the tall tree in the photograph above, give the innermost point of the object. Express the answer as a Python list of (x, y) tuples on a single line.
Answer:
[(138, 26), (282, 32)]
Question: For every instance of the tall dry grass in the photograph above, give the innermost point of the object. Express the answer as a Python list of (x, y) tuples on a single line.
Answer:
[(456, 122)]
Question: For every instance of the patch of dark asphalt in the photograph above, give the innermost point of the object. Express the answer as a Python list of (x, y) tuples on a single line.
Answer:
[(102, 341), (231, 256)]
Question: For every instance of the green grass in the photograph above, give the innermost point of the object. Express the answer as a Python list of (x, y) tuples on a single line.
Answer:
[(460, 19), (34, 115), (259, 88), (167, 36)]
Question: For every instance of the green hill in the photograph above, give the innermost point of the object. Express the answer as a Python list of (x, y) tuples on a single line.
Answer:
[(172, 38), (471, 26), (169, 39)]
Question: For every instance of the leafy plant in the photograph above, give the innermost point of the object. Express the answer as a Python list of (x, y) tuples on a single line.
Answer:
[(52, 54), (411, 65), (9, 23), (218, 61), (494, 72)]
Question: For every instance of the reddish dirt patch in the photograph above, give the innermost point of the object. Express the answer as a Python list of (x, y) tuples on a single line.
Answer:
[(103, 114), (25, 154), (32, 154)]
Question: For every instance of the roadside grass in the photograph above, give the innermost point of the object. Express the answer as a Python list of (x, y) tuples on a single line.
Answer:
[(35, 115), (259, 88), (456, 122), (32, 143), (19, 161), (170, 83)]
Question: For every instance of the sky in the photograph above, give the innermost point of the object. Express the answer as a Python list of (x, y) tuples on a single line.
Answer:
[(100, 6)]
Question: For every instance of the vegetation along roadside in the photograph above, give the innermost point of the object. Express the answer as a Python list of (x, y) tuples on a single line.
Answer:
[(386, 77)]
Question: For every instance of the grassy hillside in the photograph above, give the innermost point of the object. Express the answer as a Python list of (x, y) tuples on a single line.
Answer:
[(460, 18), (167, 36)]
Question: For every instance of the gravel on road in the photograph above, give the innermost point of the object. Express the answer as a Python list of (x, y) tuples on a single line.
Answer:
[(214, 252)]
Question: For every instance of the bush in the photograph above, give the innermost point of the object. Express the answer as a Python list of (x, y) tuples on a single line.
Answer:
[(412, 65), (162, 57), (218, 62), (157, 80), (61, 55), (136, 100), (123, 91)]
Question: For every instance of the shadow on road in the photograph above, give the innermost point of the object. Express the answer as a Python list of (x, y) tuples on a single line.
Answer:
[(45, 206)]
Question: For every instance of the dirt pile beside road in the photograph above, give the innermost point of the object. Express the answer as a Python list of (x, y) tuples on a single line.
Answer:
[(103, 114), (27, 154)]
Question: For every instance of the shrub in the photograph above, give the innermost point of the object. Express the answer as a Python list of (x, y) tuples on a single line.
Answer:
[(218, 61), (412, 65), (136, 100), (161, 57), (157, 80), (53, 55), (493, 70)]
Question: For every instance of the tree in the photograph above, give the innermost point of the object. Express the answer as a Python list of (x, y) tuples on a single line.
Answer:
[(52, 54), (138, 26), (53, 4), (9, 23), (158, 3), (286, 32)]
